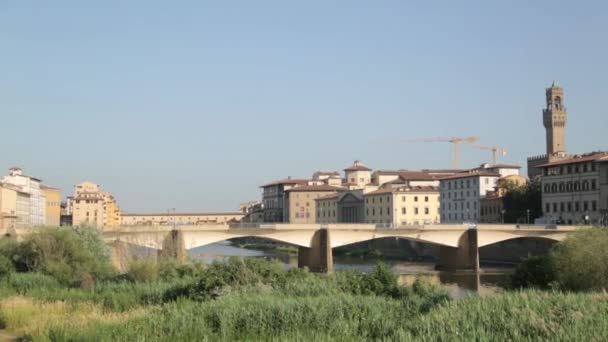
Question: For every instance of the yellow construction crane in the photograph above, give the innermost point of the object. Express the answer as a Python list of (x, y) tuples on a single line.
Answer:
[(495, 151), (453, 140)]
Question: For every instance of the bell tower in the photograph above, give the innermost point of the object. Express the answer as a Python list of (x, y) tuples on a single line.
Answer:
[(554, 120)]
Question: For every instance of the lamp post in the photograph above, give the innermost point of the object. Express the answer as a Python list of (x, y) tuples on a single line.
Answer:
[(503, 211), (528, 215)]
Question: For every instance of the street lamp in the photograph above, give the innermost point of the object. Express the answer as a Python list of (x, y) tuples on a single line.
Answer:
[(528, 215), (503, 211)]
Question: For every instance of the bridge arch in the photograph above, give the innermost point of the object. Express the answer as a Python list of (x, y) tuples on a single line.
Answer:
[(487, 238)]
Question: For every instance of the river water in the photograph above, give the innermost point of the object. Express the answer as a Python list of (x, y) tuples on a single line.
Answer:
[(459, 284)]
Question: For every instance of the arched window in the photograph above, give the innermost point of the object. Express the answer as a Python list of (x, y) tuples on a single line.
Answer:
[(562, 187), (585, 185), (577, 186), (547, 188), (557, 103), (554, 187), (569, 187)]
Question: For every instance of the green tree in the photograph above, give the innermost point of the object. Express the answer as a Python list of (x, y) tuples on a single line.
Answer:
[(519, 199)]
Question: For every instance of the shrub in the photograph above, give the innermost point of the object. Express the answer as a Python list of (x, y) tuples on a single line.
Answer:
[(144, 270), (6, 267), (381, 281), (65, 254), (581, 260), (8, 249), (535, 271)]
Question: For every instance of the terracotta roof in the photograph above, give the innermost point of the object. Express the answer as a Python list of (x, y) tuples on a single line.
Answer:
[(181, 214), (471, 174), (287, 181), (418, 175), (323, 187), (326, 197), (442, 171), (404, 189), (597, 156), (387, 173), (357, 166)]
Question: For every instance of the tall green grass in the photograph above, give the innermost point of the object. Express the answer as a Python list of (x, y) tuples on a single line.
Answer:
[(245, 316)]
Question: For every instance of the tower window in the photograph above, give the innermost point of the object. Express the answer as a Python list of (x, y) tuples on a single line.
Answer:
[(557, 103)]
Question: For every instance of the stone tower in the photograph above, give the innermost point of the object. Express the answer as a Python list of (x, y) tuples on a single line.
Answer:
[(554, 120)]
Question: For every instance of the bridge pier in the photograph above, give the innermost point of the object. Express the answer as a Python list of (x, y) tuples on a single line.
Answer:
[(174, 247), (463, 257), (318, 258), (120, 255)]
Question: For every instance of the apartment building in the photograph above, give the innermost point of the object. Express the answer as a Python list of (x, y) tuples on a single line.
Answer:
[(575, 190), (408, 205), (300, 202), (30, 202), (461, 195), (90, 205), (170, 218), (273, 198)]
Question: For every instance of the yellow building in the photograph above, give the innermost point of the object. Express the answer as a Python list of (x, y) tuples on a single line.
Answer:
[(53, 205), (416, 205), (8, 206), (92, 206), (300, 202)]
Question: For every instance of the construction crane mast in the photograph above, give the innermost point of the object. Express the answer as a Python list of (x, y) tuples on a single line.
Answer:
[(495, 151), (453, 140)]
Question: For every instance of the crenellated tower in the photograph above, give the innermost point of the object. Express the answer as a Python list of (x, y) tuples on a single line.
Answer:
[(554, 120)]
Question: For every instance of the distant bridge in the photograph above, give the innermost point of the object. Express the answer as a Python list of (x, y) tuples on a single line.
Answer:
[(459, 244)]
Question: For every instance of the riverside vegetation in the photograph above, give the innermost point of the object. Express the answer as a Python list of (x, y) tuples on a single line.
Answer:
[(57, 285)]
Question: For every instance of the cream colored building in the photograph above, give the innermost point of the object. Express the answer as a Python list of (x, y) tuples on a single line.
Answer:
[(357, 175), (300, 203), (92, 206), (53, 205), (416, 205), (575, 190), (170, 218)]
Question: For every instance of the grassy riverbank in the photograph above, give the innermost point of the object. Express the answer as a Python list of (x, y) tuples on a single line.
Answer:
[(52, 289), (258, 300)]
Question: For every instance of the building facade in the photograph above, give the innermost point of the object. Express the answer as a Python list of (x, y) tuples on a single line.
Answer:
[(575, 190), (461, 195), (170, 218), (301, 205), (53, 205), (90, 205), (273, 198), (29, 187), (416, 205)]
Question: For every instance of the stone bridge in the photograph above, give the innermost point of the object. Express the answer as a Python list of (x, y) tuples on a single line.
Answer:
[(459, 244)]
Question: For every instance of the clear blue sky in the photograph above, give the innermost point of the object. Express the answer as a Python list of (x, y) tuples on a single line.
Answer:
[(194, 104)]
